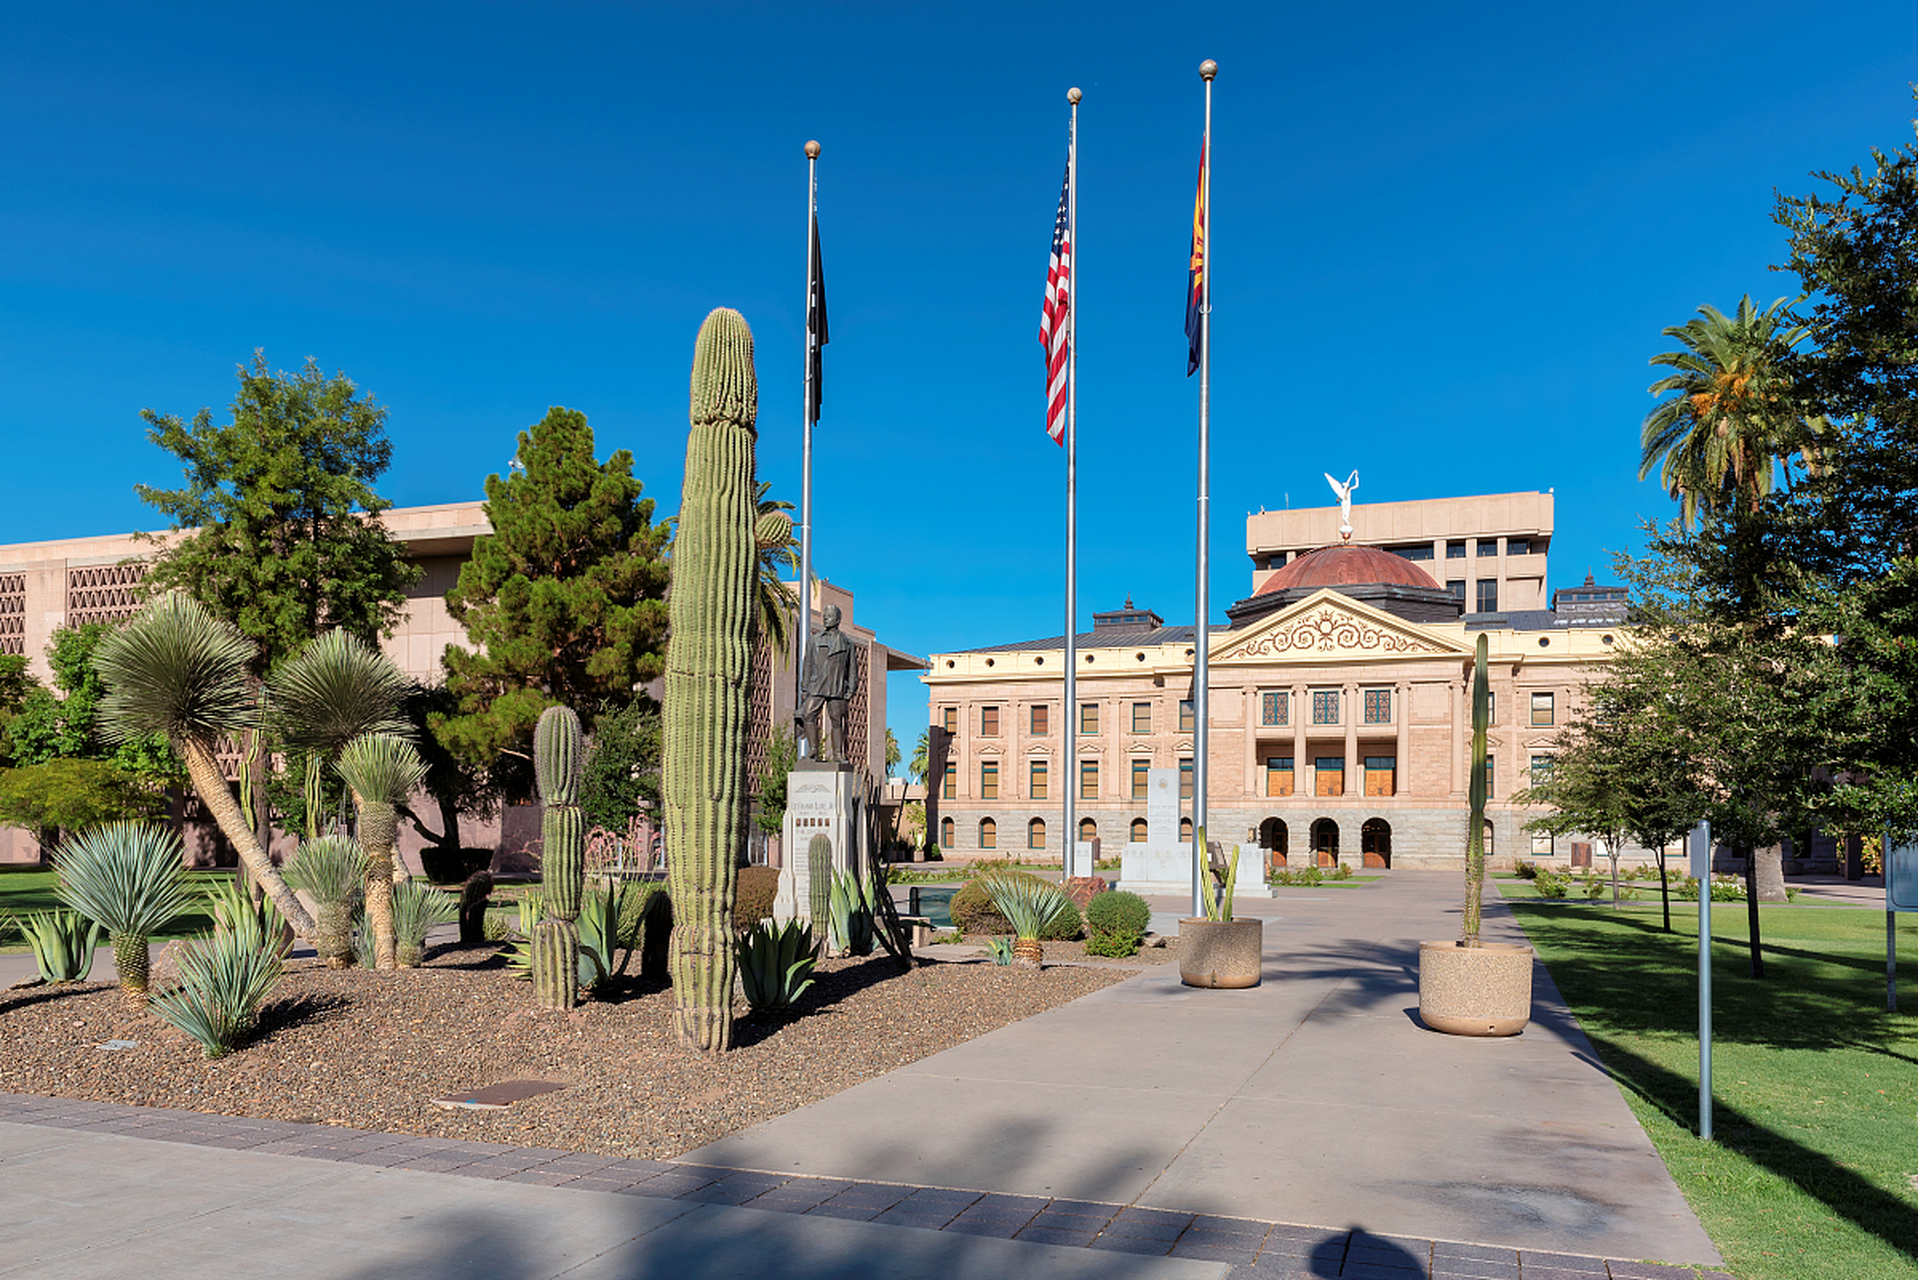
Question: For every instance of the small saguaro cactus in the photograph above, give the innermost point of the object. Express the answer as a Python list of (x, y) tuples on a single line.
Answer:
[(557, 762), (1475, 831), (819, 883), (709, 675)]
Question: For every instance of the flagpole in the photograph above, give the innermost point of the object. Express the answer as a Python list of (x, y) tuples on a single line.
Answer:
[(1201, 672), (805, 466), (1069, 758)]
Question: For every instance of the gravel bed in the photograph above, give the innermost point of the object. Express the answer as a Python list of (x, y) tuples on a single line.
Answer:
[(367, 1050)]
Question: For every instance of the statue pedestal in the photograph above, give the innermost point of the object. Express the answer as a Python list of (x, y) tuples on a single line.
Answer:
[(1165, 870), (821, 799)]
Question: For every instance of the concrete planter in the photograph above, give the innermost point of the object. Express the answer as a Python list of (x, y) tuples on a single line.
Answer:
[(1221, 953), (1475, 991)]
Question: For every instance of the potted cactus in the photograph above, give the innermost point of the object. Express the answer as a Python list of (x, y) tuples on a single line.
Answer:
[(1216, 950), (1470, 987)]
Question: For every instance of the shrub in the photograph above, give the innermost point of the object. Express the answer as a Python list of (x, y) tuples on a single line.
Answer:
[(972, 910), (1118, 913), (1298, 875), (999, 951), (223, 981), (1525, 870), (1030, 904), (332, 870), (753, 898), (1551, 884), (1115, 945)]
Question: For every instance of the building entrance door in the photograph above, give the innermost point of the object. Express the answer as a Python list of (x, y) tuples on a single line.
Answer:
[(1325, 842), (1375, 843)]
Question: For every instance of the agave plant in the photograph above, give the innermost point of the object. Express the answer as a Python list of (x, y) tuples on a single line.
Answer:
[(383, 770), (175, 669), (63, 943), (332, 871), (776, 963), (416, 908), (852, 914), (223, 981), (609, 925), (1028, 904), (130, 878)]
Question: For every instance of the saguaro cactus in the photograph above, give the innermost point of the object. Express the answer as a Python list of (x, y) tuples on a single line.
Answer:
[(1475, 832), (708, 675), (557, 762)]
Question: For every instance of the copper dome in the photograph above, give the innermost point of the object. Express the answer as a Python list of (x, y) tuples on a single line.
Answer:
[(1346, 566)]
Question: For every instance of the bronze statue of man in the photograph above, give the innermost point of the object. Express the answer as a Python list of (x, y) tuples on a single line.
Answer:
[(832, 677)]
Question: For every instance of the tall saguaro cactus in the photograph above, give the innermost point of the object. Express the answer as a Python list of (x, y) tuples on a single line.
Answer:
[(708, 675), (1475, 833), (557, 762)]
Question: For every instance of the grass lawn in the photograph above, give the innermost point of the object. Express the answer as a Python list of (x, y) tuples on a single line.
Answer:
[(1814, 1173), (32, 890)]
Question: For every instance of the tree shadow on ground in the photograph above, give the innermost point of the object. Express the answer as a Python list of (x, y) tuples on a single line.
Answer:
[(294, 1011), (26, 997), (827, 990)]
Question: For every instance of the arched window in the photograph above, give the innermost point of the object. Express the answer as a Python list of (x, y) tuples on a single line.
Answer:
[(1488, 839), (1088, 829), (946, 833), (988, 834), (1185, 830), (1138, 831), (1036, 834)]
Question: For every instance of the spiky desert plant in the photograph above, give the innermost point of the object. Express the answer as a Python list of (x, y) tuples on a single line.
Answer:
[(332, 871), (234, 911), (176, 670), (709, 675), (1475, 830), (335, 689), (131, 879), (223, 981), (63, 943), (418, 907), (382, 771), (558, 762), (819, 881), (1028, 904), (776, 963)]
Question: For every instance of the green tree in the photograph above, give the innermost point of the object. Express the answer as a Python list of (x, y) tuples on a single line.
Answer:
[(892, 752), (16, 682), (622, 766), (916, 770), (564, 601), (62, 722), (65, 794), (781, 754)]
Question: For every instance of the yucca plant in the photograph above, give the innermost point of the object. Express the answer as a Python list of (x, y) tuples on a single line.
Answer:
[(1028, 904), (332, 871), (63, 943), (234, 911), (852, 914), (175, 669), (130, 878), (417, 907), (776, 963), (383, 771), (333, 690), (223, 981), (1217, 886), (999, 951)]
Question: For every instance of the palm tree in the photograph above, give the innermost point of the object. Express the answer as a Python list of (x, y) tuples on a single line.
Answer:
[(1732, 414), (921, 755), (383, 770), (177, 670), (892, 752), (773, 600), (332, 691), (131, 878)]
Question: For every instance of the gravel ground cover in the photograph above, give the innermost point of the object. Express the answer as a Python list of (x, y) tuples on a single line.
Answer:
[(368, 1050)]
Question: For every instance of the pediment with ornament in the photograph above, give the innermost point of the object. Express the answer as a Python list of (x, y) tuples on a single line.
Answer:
[(1330, 627)]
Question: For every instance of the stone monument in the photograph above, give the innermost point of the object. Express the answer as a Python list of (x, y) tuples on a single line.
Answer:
[(1162, 865)]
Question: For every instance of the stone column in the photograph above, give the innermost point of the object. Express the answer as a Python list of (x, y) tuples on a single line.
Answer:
[(1402, 713), (1350, 708), (1253, 724), (1301, 711), (1460, 737)]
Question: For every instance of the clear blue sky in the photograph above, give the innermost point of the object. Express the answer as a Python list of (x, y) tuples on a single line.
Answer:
[(1446, 241)]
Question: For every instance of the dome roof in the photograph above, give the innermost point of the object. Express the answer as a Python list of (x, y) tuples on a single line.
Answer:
[(1346, 566)]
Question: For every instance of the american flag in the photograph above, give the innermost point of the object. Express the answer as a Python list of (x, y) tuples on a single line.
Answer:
[(1054, 326)]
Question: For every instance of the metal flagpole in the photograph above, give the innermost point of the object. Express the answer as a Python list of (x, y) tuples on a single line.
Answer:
[(1069, 758), (1201, 672), (804, 626)]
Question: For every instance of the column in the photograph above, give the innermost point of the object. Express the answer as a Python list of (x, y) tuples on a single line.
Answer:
[(1252, 726), (1349, 711), (1461, 737), (1301, 711), (1402, 711)]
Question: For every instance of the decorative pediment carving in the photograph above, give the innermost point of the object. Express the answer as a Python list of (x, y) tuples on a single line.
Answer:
[(1329, 626)]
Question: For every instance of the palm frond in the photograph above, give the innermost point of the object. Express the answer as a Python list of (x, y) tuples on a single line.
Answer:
[(381, 768), (334, 690), (130, 877), (331, 868), (174, 669)]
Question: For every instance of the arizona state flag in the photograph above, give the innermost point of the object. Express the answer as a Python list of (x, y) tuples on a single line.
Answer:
[(1195, 287), (816, 323)]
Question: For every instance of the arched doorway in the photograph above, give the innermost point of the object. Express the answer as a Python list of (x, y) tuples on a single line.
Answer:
[(1375, 843), (1325, 842), (1272, 838)]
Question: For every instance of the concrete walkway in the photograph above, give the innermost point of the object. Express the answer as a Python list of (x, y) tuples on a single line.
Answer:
[(1315, 1098)]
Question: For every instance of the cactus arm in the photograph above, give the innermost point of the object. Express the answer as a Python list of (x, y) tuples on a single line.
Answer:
[(558, 761)]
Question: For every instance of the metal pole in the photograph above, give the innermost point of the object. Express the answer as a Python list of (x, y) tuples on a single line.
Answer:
[(1201, 672), (1891, 961), (804, 624), (1069, 758), (1701, 852)]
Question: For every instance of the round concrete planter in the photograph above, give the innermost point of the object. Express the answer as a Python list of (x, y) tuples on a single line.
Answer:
[(1475, 991), (1221, 953)]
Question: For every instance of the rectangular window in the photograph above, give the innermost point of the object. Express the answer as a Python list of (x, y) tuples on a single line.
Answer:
[(1541, 769), (1088, 779), (1455, 550), (1142, 717), (1381, 775), (1186, 714), (1036, 781), (1422, 551), (1457, 587), (951, 789), (1542, 845), (1329, 776), (1378, 706), (1278, 775), (1041, 720), (1141, 779), (1488, 547), (989, 722), (1275, 708), (1491, 707), (1088, 717), (989, 780), (1487, 595), (1185, 779), (949, 719), (1325, 706), (1542, 711), (1489, 789), (1518, 546)]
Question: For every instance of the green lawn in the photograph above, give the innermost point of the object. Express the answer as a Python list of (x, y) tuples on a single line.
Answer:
[(32, 890), (1814, 1173)]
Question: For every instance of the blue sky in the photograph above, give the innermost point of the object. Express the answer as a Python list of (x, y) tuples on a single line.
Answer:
[(1445, 244)]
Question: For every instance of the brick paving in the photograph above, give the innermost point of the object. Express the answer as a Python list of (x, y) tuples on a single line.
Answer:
[(1257, 1250)]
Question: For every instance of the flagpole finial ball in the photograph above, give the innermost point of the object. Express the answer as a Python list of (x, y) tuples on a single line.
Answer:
[(1073, 96), (812, 151), (1208, 69)]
